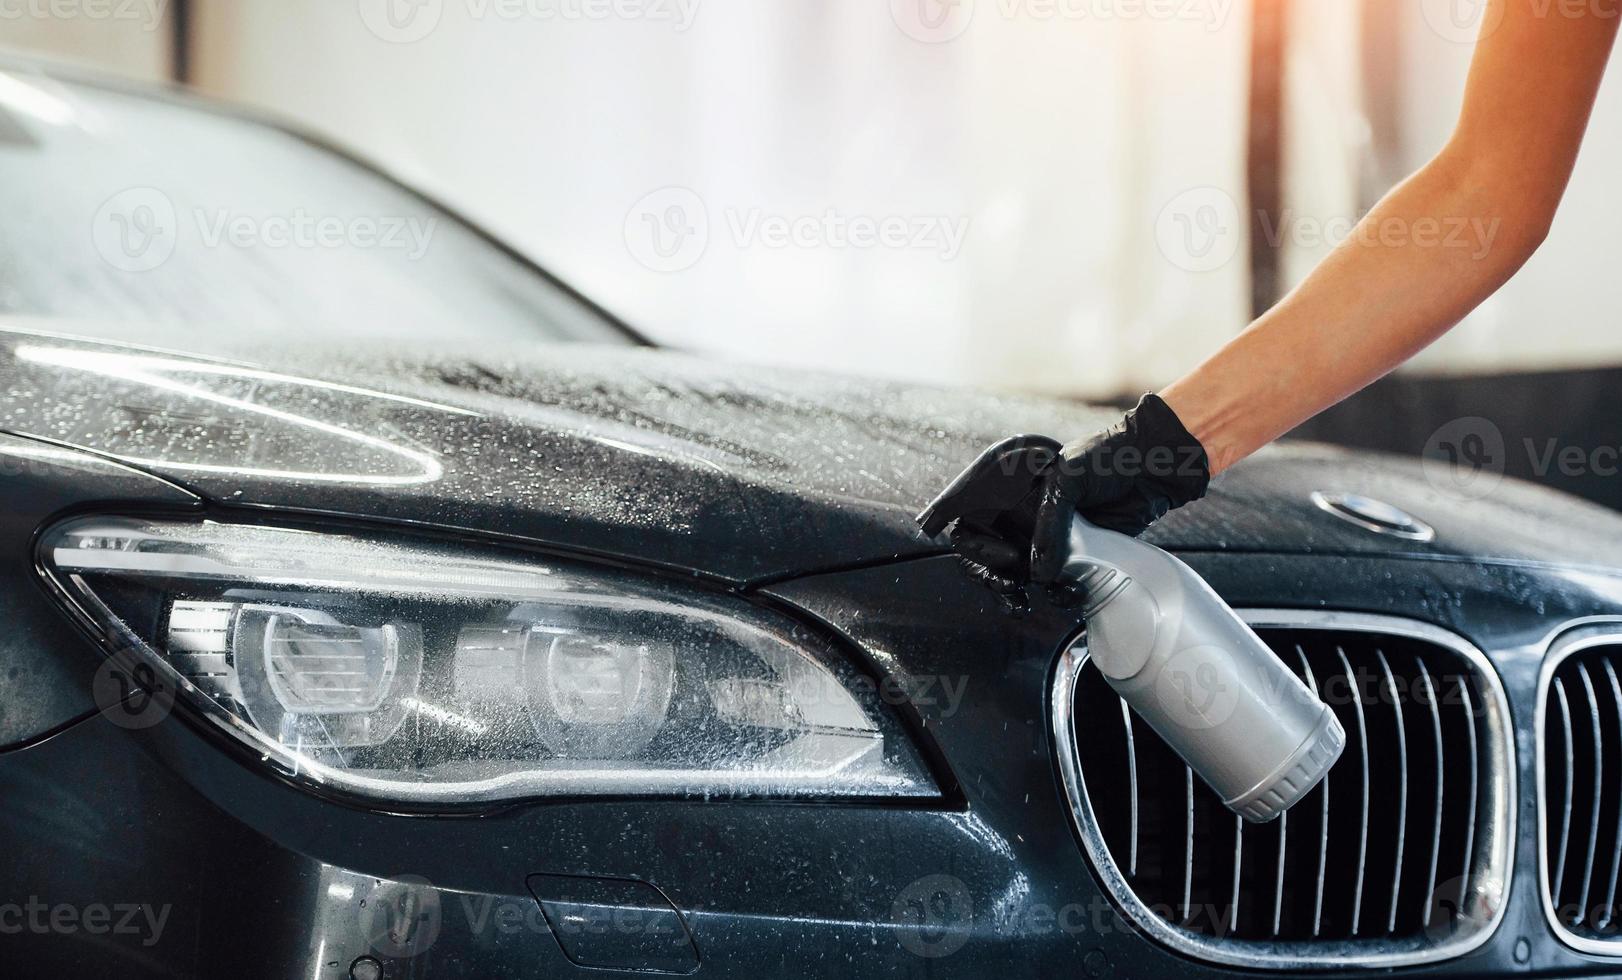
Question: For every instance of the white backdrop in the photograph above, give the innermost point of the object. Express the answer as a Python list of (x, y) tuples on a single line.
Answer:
[(1028, 148), (1049, 184)]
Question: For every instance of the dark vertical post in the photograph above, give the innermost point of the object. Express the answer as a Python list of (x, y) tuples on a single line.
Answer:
[(180, 41), (1265, 166)]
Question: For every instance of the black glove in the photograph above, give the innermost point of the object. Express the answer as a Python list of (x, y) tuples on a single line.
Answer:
[(1010, 511)]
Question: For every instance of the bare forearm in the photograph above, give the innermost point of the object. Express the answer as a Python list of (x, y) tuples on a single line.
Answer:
[(1429, 253), (1431, 250)]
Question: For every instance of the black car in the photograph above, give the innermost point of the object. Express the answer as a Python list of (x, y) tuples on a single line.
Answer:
[(388, 610)]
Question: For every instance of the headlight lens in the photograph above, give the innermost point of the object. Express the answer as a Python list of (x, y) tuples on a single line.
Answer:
[(419, 673)]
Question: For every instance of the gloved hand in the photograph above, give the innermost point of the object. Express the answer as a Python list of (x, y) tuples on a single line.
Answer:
[(1009, 513)]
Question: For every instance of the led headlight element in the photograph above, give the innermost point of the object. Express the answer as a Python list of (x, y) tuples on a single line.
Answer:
[(301, 674), (421, 673)]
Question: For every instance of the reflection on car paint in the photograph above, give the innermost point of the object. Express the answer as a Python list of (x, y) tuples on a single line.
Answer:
[(153, 372)]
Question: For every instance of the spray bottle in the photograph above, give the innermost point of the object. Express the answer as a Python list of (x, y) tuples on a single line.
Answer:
[(1179, 656)]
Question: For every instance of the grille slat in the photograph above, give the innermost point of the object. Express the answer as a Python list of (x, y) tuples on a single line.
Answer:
[(1132, 774), (1432, 716), (1323, 793), (1472, 792), (1441, 782), (1581, 793), (1401, 824), (1597, 753), (1238, 870), (1608, 910), (1278, 879), (1188, 860), (1564, 704)]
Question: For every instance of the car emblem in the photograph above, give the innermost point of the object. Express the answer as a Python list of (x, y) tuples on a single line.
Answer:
[(1374, 515)]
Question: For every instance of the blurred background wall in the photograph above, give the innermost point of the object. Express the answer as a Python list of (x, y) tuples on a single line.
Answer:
[(1075, 180), (1047, 144), (1029, 149)]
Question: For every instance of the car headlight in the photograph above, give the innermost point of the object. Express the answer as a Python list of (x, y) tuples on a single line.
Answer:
[(419, 672)]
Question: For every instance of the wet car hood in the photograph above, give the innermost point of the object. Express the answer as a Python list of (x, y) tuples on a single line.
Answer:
[(729, 470)]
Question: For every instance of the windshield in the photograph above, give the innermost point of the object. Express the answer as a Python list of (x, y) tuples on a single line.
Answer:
[(140, 219)]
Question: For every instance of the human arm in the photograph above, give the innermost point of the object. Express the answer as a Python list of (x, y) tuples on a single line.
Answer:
[(1432, 250)]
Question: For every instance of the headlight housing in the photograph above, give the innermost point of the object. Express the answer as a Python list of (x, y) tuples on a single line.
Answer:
[(421, 673)]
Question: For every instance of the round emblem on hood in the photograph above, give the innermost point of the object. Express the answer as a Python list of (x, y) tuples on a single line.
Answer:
[(1374, 515)]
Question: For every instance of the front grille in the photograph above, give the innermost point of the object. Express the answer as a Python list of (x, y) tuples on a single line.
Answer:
[(1399, 856), (1582, 791)]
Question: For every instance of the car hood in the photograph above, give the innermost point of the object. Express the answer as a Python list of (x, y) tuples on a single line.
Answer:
[(735, 471)]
